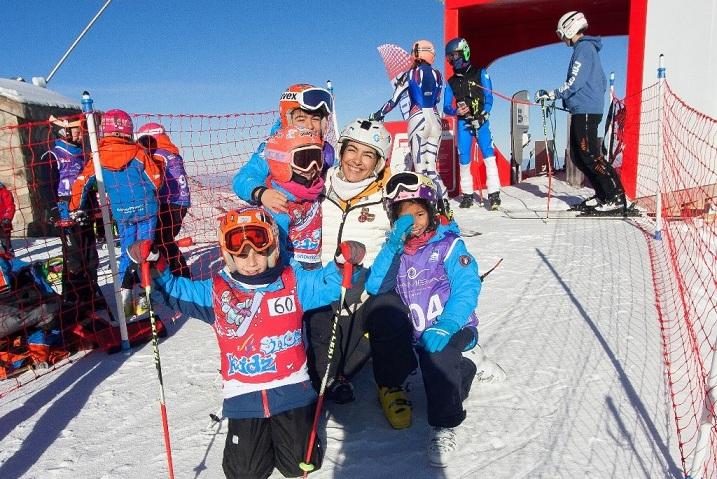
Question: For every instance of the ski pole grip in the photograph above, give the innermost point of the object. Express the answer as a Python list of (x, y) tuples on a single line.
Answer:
[(146, 276), (348, 272)]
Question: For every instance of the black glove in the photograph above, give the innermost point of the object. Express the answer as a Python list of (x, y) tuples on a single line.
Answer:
[(378, 116), (6, 226), (544, 95)]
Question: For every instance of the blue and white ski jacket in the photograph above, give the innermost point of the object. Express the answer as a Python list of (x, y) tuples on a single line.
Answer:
[(461, 271), (423, 84), (585, 86)]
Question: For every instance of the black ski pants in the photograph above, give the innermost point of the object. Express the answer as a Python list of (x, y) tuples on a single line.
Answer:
[(447, 379), (254, 447), (79, 272), (379, 328), (587, 157), (169, 222)]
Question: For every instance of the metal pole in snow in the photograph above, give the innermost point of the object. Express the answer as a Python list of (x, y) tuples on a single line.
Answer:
[(106, 220), (658, 194)]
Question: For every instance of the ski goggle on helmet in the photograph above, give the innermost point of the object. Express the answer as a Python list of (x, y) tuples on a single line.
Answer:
[(409, 185), (294, 149), (307, 97), (251, 227), (571, 24), (423, 50)]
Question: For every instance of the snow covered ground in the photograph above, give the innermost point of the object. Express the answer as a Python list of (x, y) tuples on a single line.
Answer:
[(569, 315)]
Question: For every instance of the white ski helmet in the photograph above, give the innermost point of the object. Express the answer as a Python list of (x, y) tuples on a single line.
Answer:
[(571, 24), (369, 133)]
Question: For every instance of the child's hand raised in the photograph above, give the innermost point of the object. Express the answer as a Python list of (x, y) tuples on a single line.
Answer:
[(401, 227)]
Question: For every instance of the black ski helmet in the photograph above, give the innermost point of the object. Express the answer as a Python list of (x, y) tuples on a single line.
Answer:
[(458, 45)]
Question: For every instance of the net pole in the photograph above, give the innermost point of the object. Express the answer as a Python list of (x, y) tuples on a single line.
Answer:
[(660, 155), (87, 108)]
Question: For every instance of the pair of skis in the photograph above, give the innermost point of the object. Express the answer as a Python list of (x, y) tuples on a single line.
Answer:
[(630, 211)]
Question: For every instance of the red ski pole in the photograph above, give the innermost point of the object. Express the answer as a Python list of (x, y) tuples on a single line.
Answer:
[(147, 284), (306, 466)]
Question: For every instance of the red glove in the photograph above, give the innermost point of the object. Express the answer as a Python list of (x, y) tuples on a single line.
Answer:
[(143, 251), (140, 252), (350, 252)]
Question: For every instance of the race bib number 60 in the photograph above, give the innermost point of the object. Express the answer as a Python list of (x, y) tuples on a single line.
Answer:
[(282, 305)]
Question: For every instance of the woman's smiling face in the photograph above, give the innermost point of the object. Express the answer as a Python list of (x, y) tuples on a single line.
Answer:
[(358, 161)]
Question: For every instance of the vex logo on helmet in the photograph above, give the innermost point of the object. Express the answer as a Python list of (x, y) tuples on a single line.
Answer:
[(288, 96)]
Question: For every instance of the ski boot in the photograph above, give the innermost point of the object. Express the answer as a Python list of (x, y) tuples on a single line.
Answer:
[(494, 201), (142, 306), (615, 206), (396, 406), (341, 391), (127, 302), (466, 201), (586, 204), (442, 446)]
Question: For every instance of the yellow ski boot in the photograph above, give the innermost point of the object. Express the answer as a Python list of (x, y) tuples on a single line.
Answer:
[(396, 406)]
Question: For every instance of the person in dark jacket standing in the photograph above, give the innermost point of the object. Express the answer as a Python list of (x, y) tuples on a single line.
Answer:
[(583, 94)]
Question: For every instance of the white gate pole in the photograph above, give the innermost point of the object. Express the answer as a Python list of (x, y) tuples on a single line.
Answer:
[(660, 155), (106, 220)]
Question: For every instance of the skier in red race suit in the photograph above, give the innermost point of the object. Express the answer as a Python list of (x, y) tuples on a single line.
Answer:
[(255, 305)]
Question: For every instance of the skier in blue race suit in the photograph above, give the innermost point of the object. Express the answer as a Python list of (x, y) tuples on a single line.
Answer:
[(471, 88), (255, 305), (425, 262), (424, 84)]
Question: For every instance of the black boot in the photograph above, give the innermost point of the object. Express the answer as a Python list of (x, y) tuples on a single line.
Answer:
[(466, 201), (444, 208), (494, 200), (341, 391)]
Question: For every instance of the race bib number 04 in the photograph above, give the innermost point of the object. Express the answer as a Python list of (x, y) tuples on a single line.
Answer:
[(282, 305)]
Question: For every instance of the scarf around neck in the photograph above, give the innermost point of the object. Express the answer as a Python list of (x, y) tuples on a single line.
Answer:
[(267, 277), (304, 193), (414, 243), (347, 190)]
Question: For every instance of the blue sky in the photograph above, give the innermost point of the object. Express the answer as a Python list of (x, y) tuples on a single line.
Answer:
[(216, 57)]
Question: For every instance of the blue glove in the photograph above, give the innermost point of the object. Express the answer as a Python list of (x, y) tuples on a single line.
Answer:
[(400, 230), (435, 338)]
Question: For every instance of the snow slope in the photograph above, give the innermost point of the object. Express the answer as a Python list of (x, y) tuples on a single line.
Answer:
[(569, 315)]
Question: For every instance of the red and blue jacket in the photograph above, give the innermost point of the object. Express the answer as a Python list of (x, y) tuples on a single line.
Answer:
[(260, 333), (131, 180)]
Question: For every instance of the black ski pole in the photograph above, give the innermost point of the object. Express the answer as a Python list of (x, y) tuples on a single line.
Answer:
[(306, 466), (147, 283), (482, 277)]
